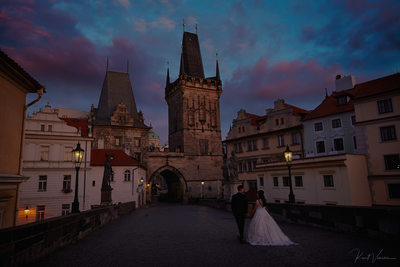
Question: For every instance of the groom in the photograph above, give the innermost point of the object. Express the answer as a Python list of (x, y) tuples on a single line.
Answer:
[(239, 209)]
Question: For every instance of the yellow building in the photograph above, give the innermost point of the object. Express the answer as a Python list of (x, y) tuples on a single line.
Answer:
[(15, 84), (377, 109)]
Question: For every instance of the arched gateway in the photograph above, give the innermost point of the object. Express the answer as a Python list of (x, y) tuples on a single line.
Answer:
[(168, 183)]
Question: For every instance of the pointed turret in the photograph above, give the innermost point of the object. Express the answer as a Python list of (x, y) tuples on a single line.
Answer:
[(217, 72), (168, 81), (191, 62)]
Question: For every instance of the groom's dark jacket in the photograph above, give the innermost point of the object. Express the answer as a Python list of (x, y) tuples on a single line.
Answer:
[(239, 204)]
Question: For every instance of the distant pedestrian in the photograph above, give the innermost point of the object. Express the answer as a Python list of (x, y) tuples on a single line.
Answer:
[(239, 209)]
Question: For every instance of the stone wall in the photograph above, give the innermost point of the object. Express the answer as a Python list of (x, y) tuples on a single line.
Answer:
[(27, 243), (376, 222)]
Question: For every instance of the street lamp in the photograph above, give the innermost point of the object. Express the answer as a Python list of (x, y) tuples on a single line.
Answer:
[(202, 189), (288, 157), (77, 156), (26, 212)]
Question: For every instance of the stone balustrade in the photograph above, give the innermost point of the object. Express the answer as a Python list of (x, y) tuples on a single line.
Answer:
[(27, 243)]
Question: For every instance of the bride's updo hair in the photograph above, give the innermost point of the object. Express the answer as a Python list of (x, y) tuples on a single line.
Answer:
[(262, 197)]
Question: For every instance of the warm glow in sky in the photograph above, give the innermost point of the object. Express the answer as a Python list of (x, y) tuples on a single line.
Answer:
[(266, 49)]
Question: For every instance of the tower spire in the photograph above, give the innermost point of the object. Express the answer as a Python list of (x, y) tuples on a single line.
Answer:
[(217, 68), (107, 64), (168, 81), (183, 24), (182, 68)]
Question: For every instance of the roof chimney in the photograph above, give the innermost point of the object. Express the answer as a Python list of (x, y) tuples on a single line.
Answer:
[(344, 82)]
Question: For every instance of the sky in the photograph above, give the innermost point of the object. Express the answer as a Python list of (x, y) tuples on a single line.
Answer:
[(267, 50)]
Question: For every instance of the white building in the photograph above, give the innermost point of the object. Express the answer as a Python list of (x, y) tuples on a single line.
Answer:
[(128, 180), (47, 160), (329, 180)]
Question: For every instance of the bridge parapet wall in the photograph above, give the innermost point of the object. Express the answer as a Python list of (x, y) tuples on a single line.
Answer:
[(377, 222), (27, 243)]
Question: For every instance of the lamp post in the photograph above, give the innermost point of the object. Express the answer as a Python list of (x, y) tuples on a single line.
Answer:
[(77, 156), (202, 189), (26, 212), (288, 157)]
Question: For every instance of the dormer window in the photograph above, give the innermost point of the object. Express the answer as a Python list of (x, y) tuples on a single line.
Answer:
[(342, 100)]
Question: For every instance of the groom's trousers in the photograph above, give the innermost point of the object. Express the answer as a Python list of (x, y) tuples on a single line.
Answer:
[(240, 223)]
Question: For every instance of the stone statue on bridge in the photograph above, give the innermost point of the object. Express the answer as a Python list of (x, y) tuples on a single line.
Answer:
[(105, 186), (232, 167)]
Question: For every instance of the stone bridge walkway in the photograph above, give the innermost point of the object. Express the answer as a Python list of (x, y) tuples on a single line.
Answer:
[(185, 235)]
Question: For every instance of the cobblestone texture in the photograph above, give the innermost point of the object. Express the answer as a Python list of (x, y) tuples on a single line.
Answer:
[(185, 235)]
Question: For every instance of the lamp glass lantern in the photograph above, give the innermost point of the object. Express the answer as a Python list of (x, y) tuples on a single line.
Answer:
[(288, 154), (77, 155), (141, 180)]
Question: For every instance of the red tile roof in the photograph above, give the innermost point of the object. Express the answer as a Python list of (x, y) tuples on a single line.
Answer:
[(80, 124), (330, 105), (378, 86), (98, 158), (297, 111), (253, 118)]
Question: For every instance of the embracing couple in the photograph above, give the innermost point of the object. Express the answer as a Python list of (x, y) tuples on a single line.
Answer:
[(262, 230)]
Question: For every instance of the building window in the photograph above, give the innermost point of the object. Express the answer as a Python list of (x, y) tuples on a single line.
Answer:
[(320, 147), (137, 142), (64, 209), (42, 127), (252, 184), (336, 123), (44, 153), (295, 138), (40, 212), (240, 169), (353, 119), (282, 120), (388, 133), (328, 180), (385, 106), (261, 181), (42, 183), (249, 145), (117, 140), (394, 191), (67, 184), (298, 181), (265, 143), (276, 181), (127, 175), (338, 144), (285, 181), (203, 143), (355, 142), (277, 122), (67, 153), (255, 144), (281, 140), (318, 126), (50, 128), (392, 162), (342, 100)]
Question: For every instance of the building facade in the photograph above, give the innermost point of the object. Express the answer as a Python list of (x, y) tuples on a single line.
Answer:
[(15, 84), (377, 110), (329, 128), (257, 139), (128, 179), (49, 141), (328, 180)]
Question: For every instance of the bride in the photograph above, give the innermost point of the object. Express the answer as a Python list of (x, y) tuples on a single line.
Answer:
[(263, 229)]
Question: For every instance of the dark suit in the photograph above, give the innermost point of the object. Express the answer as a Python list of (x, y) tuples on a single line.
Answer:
[(239, 209)]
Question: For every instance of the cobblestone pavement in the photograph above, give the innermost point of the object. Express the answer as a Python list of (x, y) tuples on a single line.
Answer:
[(186, 235)]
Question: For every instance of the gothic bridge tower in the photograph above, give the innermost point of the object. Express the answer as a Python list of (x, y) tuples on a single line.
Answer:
[(193, 105), (195, 158)]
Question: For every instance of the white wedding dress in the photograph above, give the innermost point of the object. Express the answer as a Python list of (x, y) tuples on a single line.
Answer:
[(264, 231)]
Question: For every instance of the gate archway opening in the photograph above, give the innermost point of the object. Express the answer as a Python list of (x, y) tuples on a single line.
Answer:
[(168, 184)]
